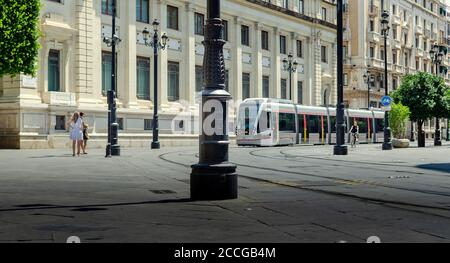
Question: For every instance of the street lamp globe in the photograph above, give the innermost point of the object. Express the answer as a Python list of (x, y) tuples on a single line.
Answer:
[(164, 39), (285, 64), (155, 25), (145, 34), (385, 22)]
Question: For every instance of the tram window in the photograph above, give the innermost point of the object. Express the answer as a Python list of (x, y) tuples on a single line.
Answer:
[(314, 124), (379, 125), (247, 121), (264, 122), (325, 123), (301, 124), (287, 122), (333, 123)]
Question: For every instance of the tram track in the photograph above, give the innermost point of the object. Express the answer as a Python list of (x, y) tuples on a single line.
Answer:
[(407, 206)]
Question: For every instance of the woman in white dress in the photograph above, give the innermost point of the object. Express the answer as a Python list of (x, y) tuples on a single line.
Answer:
[(76, 133)]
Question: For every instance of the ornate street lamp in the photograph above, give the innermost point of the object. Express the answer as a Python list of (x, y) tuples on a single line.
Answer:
[(290, 65), (157, 44), (387, 144), (340, 148), (112, 148), (213, 177), (437, 55), (368, 79)]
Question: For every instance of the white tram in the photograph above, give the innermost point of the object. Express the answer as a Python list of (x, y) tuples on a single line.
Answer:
[(271, 122)]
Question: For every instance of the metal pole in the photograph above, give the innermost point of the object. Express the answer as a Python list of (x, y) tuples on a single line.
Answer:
[(213, 177), (155, 139), (290, 81), (412, 131), (437, 132), (368, 93), (387, 144), (448, 131), (340, 148)]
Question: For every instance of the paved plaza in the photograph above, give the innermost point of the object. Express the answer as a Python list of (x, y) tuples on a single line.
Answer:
[(286, 194)]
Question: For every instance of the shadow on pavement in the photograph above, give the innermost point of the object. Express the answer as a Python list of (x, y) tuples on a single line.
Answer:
[(441, 167), (84, 208)]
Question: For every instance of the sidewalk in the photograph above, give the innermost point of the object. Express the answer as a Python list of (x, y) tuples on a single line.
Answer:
[(143, 196)]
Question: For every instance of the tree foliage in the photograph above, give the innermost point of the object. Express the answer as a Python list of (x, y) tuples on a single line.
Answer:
[(398, 117), (19, 36), (418, 93)]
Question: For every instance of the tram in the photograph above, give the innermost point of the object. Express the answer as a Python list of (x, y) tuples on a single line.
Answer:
[(273, 122)]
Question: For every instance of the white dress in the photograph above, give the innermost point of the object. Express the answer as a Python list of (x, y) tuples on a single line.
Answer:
[(77, 132)]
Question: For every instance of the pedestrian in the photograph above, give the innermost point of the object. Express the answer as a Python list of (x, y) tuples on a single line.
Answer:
[(76, 133), (85, 133), (355, 133)]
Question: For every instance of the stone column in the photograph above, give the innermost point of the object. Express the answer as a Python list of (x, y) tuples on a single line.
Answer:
[(316, 89), (276, 65), (236, 68), (128, 27), (162, 59), (294, 37), (257, 65), (333, 90), (189, 54), (83, 63)]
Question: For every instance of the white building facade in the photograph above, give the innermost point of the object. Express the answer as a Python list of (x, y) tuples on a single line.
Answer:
[(75, 66), (415, 26)]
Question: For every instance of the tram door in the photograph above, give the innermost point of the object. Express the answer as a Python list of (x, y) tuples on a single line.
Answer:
[(303, 126)]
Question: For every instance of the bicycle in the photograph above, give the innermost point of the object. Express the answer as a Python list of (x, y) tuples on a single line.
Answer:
[(354, 139)]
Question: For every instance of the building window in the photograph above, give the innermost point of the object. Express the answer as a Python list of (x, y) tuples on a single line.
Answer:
[(301, 6), (394, 57), (372, 52), (245, 35), (300, 92), (148, 124), (265, 40), (324, 14), (143, 78), (225, 30), (323, 54), (107, 7), (283, 44), (345, 79), (198, 78), (371, 25), (60, 124), (299, 48), (107, 72), (54, 83), (172, 17), (265, 86), (173, 72), (394, 84), (142, 11), (199, 24), (283, 88), (245, 86)]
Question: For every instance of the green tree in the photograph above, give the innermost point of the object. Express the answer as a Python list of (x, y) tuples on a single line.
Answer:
[(19, 36), (398, 117), (418, 92)]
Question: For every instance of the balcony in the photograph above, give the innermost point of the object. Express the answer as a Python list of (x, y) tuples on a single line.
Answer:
[(399, 69), (418, 30), (427, 33), (373, 10), (375, 63), (373, 36), (396, 44), (419, 52), (433, 36), (396, 20)]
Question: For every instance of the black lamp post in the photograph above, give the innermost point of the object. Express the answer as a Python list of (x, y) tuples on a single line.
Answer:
[(387, 144), (437, 55), (368, 79), (340, 148), (412, 131), (214, 178), (447, 138), (290, 65), (157, 45), (112, 148)]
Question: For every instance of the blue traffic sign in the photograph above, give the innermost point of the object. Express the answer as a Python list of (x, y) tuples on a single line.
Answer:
[(386, 101)]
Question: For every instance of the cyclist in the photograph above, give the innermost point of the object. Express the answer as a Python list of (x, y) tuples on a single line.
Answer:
[(354, 131)]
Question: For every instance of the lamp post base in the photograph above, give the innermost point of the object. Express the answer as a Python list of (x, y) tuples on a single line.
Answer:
[(387, 146), (214, 182), (156, 145), (437, 138), (115, 150), (340, 150)]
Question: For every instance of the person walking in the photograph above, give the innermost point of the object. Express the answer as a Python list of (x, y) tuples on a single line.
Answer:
[(85, 133), (76, 133)]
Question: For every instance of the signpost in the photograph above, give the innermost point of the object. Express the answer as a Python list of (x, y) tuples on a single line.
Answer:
[(386, 102)]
